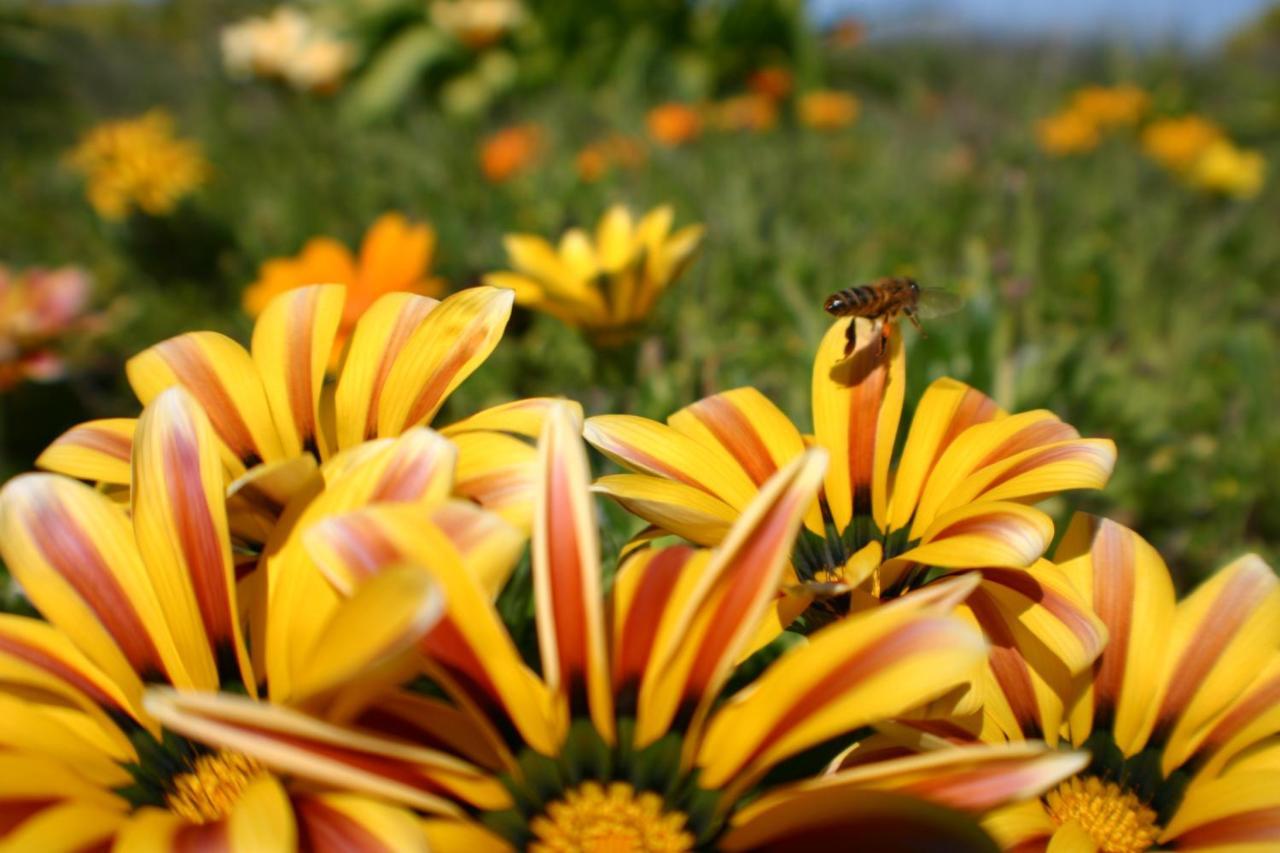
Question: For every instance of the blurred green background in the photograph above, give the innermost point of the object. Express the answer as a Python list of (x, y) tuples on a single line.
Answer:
[(1096, 285)]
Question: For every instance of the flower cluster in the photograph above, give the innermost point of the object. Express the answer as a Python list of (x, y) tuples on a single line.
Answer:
[(138, 164), (276, 612), (757, 110), (287, 45), (1091, 112), (39, 310)]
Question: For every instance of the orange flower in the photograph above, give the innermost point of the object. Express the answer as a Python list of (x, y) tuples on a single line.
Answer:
[(1178, 143), (1067, 132), (827, 109), (394, 256), (746, 112), (510, 151), (772, 81), (1110, 106), (674, 123), (595, 160)]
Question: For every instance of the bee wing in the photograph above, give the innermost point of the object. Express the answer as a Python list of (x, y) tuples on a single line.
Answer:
[(935, 302)]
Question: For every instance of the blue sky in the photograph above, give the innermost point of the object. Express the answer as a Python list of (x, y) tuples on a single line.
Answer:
[(1196, 21)]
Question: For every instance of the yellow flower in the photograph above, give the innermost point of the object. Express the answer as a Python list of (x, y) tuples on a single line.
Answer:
[(138, 163), (477, 23), (394, 257), (1177, 143), (606, 286), (674, 123), (828, 110), (623, 737), (1110, 106), (1181, 712), (287, 45), (1067, 132), (150, 596), (1224, 168)]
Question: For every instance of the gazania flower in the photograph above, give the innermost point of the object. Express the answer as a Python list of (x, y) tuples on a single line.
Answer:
[(150, 597), (674, 123), (39, 309), (622, 736), (596, 160), (772, 81), (1178, 143), (394, 257), (1110, 106), (1067, 132), (511, 152), (1181, 712), (138, 164), (1224, 168), (827, 110), (607, 286), (957, 502), (751, 112)]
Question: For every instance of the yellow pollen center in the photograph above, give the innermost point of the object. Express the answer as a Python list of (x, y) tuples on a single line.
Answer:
[(1116, 820), (213, 785), (616, 819)]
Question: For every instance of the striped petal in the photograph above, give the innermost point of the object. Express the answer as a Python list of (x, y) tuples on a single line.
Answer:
[(861, 670), (676, 508), (652, 448), (946, 409), (379, 337), (1240, 811), (435, 723), (975, 779), (521, 417), (996, 533), (829, 820), (857, 403), (1042, 635), (487, 545), (1129, 588), (1251, 719), (1024, 826), (702, 634), (32, 782), (256, 501), (338, 823), (1222, 636), (73, 552), (566, 577), (224, 380), (444, 350), (180, 521), (291, 742), (91, 744), (292, 340), (65, 826), (97, 451), (499, 472)]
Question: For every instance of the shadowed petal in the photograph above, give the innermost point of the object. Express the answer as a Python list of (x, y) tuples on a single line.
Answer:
[(337, 823), (61, 826), (97, 451), (674, 507), (499, 472), (1240, 811)]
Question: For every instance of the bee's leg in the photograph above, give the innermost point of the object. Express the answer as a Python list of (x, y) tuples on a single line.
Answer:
[(851, 337), (915, 321), (886, 328)]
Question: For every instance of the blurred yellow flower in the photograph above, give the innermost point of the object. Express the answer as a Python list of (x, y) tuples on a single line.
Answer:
[(138, 163), (288, 45), (751, 112), (1226, 169), (605, 286), (1177, 143), (1067, 132), (510, 151), (395, 256), (594, 161), (674, 123), (828, 109), (1110, 106), (477, 23)]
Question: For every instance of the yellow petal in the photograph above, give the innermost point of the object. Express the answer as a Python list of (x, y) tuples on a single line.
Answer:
[(1238, 812), (997, 533), (499, 472), (34, 779), (520, 417), (486, 544), (362, 823), (71, 737), (180, 521), (262, 819), (66, 826), (444, 350), (1024, 823), (223, 379), (292, 341), (1250, 720), (95, 450), (1071, 837), (445, 834), (676, 508)]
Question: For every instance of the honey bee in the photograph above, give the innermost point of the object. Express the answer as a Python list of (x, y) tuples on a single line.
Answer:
[(882, 300)]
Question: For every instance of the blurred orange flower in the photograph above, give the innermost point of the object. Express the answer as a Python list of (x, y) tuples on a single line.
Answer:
[(511, 151), (37, 308), (746, 112), (395, 255), (1177, 143), (772, 81), (674, 123), (594, 161), (827, 109), (1067, 132), (847, 33), (1224, 168), (1110, 106)]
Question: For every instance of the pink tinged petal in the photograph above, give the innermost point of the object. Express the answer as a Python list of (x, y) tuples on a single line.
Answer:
[(338, 823), (499, 472), (641, 591), (97, 451), (181, 526), (566, 577)]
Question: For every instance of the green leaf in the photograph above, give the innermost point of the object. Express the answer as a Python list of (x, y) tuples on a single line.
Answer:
[(391, 75)]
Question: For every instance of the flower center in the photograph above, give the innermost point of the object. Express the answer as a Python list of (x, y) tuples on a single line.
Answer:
[(1116, 820), (212, 786), (610, 820)]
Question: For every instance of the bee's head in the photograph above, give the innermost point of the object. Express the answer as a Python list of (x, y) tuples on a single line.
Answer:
[(915, 288), (835, 304)]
